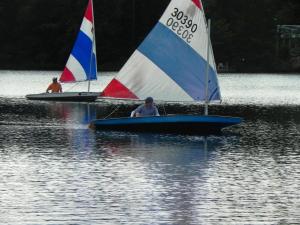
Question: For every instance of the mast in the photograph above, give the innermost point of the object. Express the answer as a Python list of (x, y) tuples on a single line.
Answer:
[(93, 45), (207, 69), (133, 26)]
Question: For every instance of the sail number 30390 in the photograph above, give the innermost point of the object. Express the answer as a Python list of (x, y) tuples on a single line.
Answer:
[(182, 25)]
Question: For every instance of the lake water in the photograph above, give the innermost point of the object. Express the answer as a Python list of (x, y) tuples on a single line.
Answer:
[(54, 170)]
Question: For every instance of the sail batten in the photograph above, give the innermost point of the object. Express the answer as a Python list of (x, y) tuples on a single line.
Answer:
[(82, 64), (170, 64)]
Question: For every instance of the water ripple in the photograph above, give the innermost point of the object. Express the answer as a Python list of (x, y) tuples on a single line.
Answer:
[(54, 170)]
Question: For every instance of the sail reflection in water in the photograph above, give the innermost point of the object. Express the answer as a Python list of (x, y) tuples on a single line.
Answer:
[(158, 177), (76, 117), (74, 113)]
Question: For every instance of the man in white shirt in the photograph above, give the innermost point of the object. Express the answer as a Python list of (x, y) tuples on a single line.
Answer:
[(147, 109)]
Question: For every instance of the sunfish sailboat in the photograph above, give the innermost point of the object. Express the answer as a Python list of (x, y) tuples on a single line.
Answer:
[(81, 65), (174, 63)]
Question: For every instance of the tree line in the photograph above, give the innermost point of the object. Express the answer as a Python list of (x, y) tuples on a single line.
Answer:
[(39, 34)]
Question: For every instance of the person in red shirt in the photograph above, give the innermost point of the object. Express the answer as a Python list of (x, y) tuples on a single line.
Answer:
[(55, 87)]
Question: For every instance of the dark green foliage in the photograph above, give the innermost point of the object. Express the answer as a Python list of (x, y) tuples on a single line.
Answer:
[(39, 34)]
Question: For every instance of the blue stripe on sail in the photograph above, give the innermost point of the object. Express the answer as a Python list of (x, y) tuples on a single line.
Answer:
[(82, 52), (180, 62), (214, 95)]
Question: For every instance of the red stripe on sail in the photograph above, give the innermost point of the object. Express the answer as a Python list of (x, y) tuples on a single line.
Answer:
[(198, 3), (67, 76), (115, 89), (89, 12)]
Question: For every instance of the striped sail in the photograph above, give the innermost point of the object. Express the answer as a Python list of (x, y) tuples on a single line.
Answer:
[(170, 64), (82, 63)]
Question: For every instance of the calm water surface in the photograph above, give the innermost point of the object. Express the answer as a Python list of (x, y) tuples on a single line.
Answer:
[(54, 170)]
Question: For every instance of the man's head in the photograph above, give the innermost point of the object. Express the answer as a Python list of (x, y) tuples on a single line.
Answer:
[(148, 101), (54, 80)]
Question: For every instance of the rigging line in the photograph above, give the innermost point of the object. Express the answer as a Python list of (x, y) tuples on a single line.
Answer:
[(165, 112), (116, 109), (72, 86)]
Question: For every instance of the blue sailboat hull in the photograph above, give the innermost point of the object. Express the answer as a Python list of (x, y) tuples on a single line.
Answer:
[(184, 124)]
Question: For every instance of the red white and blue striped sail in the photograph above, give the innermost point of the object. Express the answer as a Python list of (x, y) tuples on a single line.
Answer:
[(82, 63), (170, 64)]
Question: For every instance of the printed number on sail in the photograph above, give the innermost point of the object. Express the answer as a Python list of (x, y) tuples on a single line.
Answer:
[(182, 25)]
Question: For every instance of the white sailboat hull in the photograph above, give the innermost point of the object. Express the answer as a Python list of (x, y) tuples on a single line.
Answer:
[(66, 96)]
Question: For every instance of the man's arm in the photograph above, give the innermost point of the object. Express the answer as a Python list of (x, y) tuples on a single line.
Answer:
[(137, 111), (48, 89)]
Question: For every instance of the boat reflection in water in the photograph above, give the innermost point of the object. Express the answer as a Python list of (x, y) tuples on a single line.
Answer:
[(171, 150), (75, 118)]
